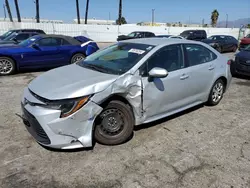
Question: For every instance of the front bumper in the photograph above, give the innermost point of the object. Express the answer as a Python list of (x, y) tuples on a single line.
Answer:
[(46, 126), (241, 67)]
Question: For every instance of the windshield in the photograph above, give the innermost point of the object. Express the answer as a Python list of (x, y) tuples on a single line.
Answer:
[(10, 37), (28, 41), (116, 59), (7, 34), (248, 36)]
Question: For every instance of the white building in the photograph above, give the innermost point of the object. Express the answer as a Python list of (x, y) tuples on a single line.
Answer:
[(31, 20), (97, 22)]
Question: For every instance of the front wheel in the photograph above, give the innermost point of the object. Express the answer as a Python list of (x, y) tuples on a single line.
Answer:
[(115, 124), (77, 57), (7, 66), (216, 93)]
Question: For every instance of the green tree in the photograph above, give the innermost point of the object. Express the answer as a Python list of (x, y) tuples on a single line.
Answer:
[(123, 21), (248, 26), (214, 17)]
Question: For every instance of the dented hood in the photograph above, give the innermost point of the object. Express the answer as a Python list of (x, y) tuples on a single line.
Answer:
[(69, 82)]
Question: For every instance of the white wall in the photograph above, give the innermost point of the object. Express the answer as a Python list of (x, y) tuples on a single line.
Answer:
[(109, 33)]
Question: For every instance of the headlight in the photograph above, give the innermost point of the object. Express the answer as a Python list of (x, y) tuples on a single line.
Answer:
[(68, 107)]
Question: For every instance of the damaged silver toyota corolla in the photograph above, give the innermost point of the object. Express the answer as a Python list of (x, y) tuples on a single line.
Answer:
[(129, 83)]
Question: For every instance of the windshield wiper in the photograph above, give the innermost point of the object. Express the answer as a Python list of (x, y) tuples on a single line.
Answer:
[(95, 67)]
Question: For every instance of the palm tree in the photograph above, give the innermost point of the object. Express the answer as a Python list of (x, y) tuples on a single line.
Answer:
[(120, 13), (214, 17), (37, 12), (87, 10), (8, 10), (17, 11), (78, 13)]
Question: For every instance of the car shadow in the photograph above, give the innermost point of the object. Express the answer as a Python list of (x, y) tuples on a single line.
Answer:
[(242, 77), (163, 120)]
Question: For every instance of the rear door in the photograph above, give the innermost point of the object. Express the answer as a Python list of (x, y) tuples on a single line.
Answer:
[(201, 71), (47, 54)]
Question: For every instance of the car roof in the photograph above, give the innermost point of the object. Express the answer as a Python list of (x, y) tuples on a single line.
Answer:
[(160, 41), (70, 39)]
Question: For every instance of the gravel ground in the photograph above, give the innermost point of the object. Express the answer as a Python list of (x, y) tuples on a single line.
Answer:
[(199, 148)]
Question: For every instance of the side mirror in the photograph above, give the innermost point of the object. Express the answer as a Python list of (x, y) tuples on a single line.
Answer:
[(158, 73), (35, 46)]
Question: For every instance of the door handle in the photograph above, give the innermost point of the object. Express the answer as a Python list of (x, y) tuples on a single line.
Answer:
[(184, 76), (211, 67)]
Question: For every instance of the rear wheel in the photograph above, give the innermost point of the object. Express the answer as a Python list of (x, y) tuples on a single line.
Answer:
[(77, 57), (115, 124), (7, 66), (216, 93), (235, 48)]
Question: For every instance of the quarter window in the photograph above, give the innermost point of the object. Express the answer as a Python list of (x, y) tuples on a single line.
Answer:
[(22, 36), (198, 54), (169, 58)]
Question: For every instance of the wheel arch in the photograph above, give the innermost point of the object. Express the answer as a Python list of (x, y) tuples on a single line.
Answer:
[(15, 61)]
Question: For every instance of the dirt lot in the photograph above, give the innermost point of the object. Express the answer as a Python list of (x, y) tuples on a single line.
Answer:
[(202, 147)]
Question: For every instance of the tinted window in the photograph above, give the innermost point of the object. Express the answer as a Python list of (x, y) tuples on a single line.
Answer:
[(48, 42), (64, 42), (149, 34), (22, 36), (198, 54), (169, 58)]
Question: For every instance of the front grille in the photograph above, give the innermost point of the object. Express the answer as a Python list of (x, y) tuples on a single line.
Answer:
[(34, 127)]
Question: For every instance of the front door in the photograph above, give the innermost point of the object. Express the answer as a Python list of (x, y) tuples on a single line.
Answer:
[(164, 95), (46, 54)]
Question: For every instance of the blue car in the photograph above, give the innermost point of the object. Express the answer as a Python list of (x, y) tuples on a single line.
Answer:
[(44, 51)]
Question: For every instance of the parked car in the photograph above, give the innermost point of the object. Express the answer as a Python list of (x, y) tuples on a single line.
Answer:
[(244, 42), (129, 83), (241, 65), (136, 34), (222, 43), (197, 35), (16, 38), (169, 36), (8, 33), (43, 51)]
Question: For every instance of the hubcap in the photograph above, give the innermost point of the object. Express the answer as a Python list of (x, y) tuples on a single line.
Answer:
[(112, 122), (217, 92), (5, 66), (78, 58)]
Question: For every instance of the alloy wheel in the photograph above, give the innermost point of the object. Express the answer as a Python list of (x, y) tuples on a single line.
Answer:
[(6, 66), (217, 92)]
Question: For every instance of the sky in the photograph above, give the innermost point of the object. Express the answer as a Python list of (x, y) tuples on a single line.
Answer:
[(136, 10)]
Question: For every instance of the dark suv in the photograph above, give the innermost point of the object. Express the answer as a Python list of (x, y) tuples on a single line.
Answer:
[(10, 32), (197, 35)]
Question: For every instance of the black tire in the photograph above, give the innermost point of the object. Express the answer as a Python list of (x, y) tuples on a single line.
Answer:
[(219, 49), (211, 101), (11, 65), (235, 48), (75, 56), (115, 124)]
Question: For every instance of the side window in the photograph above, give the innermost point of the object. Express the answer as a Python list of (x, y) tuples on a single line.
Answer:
[(48, 42), (22, 36), (64, 42), (198, 54), (169, 58)]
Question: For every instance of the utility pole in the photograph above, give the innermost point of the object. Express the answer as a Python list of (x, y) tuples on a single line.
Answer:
[(78, 13), (17, 11), (8, 10), (37, 12), (203, 22), (4, 11), (120, 12), (153, 16), (227, 21), (86, 13)]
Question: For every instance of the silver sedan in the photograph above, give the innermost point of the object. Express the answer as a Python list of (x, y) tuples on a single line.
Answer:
[(129, 83)]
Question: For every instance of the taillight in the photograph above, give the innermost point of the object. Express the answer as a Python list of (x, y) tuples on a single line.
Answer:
[(229, 62)]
